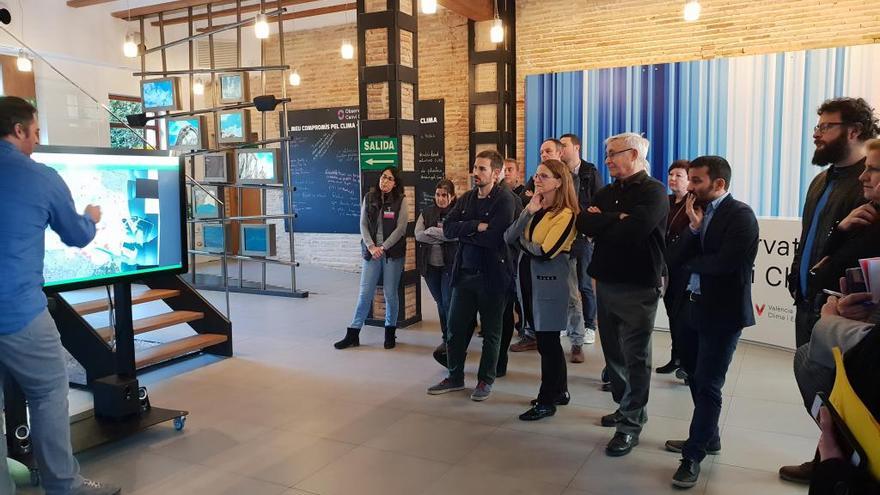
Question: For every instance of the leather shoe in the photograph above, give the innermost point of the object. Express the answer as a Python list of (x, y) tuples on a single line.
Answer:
[(577, 354), (667, 368), (612, 419), (562, 400), (687, 474), (621, 444), (606, 387), (440, 354), (677, 446), (802, 474), (538, 411)]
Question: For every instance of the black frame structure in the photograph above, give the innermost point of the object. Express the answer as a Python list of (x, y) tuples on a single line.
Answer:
[(504, 96), (394, 20), (129, 277)]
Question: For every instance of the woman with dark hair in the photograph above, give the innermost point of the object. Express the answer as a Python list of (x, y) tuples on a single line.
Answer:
[(383, 247), (544, 233), (435, 253)]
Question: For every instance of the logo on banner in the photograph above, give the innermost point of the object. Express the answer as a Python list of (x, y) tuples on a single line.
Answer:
[(340, 114), (760, 309)]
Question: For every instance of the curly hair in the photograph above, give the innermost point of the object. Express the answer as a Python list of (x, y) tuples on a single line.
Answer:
[(854, 112)]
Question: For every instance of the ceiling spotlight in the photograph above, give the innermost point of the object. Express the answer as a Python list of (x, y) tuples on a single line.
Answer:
[(130, 47), (294, 78), (24, 62), (261, 27), (496, 34), (429, 6), (347, 50), (198, 87), (692, 10)]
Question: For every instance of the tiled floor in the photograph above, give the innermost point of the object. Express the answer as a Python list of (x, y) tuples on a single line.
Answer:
[(291, 415)]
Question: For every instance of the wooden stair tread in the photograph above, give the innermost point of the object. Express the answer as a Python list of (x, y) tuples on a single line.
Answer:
[(176, 348), (98, 305), (150, 323)]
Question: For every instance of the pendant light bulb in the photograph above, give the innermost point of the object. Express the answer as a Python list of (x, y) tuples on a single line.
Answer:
[(295, 79), (692, 10), (261, 27), (496, 34), (198, 87), (24, 62), (429, 6), (347, 50), (130, 47)]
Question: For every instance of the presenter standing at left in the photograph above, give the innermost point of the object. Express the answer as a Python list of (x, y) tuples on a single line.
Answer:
[(32, 197)]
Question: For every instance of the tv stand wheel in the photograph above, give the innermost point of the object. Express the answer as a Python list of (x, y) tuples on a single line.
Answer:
[(179, 423)]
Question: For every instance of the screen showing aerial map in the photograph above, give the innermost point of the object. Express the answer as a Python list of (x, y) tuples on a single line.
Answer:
[(141, 229)]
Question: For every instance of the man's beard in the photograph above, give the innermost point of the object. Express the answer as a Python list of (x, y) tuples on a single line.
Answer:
[(833, 152)]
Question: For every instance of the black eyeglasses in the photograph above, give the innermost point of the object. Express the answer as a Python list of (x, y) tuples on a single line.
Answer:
[(612, 154), (825, 127), (545, 176)]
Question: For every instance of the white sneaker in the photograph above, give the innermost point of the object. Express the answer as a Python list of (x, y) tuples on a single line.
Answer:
[(589, 336)]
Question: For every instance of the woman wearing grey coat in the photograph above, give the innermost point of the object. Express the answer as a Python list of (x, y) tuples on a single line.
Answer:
[(543, 233)]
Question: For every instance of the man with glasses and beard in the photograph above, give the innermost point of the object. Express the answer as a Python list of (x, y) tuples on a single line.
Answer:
[(845, 124)]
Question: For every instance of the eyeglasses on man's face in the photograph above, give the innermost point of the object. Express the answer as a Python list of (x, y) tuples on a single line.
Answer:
[(612, 154), (827, 126)]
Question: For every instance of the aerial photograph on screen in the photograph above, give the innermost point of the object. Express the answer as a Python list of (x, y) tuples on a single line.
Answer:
[(184, 132), (140, 228), (159, 93), (231, 125), (256, 165)]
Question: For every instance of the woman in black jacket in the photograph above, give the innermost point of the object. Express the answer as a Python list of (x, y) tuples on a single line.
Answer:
[(383, 247), (436, 254)]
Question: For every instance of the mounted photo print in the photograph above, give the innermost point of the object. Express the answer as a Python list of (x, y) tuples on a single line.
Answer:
[(233, 126), (233, 87), (185, 133), (160, 94)]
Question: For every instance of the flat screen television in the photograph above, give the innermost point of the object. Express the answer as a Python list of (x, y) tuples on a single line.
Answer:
[(258, 166), (257, 239), (185, 133), (214, 237), (142, 229), (160, 94), (217, 167), (233, 126)]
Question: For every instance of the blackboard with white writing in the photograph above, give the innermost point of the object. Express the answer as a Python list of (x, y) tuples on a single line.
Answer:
[(430, 150)]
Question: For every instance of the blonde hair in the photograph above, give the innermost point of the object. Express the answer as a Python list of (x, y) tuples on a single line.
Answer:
[(565, 196), (872, 145)]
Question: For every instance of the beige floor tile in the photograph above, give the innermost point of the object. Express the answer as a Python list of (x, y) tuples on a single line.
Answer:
[(731, 480), (639, 472), (199, 479), (471, 480), (778, 387), (367, 471), (762, 450), (530, 456), (771, 416), (428, 437)]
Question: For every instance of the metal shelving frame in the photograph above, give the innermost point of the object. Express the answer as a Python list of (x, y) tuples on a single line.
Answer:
[(223, 281)]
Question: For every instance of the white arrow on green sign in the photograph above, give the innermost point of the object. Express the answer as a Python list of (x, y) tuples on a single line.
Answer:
[(378, 153)]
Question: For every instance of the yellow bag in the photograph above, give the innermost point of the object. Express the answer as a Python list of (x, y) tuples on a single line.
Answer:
[(858, 418)]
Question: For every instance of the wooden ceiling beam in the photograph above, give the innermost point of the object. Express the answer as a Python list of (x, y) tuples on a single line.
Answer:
[(304, 13), (475, 10), (165, 7), (229, 12), (85, 3)]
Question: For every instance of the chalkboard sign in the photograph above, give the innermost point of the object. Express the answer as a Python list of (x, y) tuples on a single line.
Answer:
[(323, 160), (431, 150)]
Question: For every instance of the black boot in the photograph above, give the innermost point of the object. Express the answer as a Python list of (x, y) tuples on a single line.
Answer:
[(669, 367), (351, 339), (390, 339)]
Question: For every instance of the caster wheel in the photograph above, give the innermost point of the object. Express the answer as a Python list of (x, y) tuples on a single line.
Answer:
[(179, 423), (35, 477)]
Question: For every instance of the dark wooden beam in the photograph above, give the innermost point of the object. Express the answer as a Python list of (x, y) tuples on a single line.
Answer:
[(166, 7), (302, 14), (475, 10), (85, 3), (229, 12)]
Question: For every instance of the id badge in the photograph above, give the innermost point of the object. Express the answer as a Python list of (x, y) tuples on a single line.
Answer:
[(388, 215)]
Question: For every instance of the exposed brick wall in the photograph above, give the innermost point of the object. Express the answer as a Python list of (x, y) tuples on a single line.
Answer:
[(566, 35), (328, 81)]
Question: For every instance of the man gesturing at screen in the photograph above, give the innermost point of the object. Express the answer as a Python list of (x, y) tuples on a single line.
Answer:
[(32, 197)]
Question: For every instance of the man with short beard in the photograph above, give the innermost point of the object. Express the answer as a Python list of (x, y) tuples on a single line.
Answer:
[(845, 124)]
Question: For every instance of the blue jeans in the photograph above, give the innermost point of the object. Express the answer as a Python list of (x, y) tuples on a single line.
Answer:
[(390, 270), (439, 281), (582, 251), (34, 358), (706, 348)]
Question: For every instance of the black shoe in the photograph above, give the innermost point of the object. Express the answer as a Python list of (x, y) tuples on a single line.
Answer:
[(539, 411), (677, 446), (605, 378), (621, 444), (562, 400), (351, 339), (687, 474), (440, 355), (612, 419), (668, 368), (390, 338), (606, 387), (681, 374)]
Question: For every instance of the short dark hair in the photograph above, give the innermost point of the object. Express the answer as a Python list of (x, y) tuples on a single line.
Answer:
[(14, 110), (856, 112), (496, 161), (447, 186), (555, 141), (678, 164), (718, 168), (571, 137)]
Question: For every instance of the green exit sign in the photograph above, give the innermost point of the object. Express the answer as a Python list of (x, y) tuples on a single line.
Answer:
[(378, 153)]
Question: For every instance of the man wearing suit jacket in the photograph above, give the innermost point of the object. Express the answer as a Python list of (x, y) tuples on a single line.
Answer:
[(718, 251)]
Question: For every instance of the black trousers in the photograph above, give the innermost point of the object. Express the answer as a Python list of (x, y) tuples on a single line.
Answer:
[(554, 377), (507, 328), (805, 318)]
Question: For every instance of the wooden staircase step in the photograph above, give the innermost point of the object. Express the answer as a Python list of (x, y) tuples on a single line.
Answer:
[(156, 322), (98, 305), (176, 348)]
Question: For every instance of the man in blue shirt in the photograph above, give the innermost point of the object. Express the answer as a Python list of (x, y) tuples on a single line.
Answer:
[(33, 196)]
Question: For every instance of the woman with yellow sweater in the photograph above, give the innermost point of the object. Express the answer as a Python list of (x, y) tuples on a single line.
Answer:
[(543, 233)]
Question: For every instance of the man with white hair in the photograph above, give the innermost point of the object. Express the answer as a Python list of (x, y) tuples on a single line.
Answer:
[(628, 224)]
